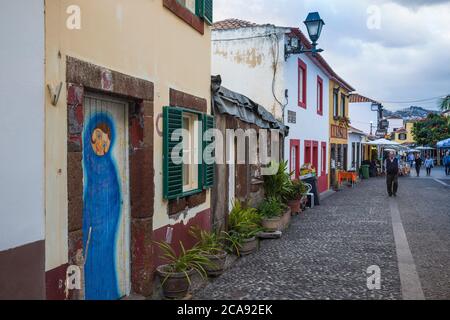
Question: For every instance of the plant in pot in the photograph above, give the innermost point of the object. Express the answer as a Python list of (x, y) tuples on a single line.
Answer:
[(176, 275), (271, 211), (295, 195), (244, 224), (212, 244), (279, 184)]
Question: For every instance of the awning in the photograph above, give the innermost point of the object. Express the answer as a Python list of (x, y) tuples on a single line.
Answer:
[(243, 108), (444, 143)]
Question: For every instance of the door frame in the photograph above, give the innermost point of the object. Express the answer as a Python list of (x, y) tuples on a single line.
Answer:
[(124, 187), (82, 78)]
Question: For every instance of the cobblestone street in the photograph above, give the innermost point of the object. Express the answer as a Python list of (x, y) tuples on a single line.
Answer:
[(327, 250)]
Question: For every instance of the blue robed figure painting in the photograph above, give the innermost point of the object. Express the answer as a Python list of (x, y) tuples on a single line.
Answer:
[(102, 208)]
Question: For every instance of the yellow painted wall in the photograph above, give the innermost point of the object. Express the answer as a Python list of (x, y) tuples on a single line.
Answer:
[(332, 121), (409, 135), (139, 38)]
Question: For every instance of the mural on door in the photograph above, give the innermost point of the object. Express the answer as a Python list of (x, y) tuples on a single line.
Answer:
[(104, 227)]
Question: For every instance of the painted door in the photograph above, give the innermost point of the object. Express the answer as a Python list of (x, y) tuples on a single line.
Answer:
[(295, 158), (323, 179), (106, 199)]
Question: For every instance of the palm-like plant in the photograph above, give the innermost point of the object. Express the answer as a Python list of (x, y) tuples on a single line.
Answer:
[(444, 103), (208, 242), (279, 185), (185, 262)]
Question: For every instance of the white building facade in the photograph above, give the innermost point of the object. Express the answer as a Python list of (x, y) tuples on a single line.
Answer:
[(253, 60)]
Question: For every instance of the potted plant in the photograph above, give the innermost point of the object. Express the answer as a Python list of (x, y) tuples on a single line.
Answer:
[(295, 195), (244, 225), (279, 184), (212, 245), (176, 274), (271, 211)]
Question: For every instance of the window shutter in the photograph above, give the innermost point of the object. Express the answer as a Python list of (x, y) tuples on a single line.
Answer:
[(172, 173), (209, 170), (204, 9)]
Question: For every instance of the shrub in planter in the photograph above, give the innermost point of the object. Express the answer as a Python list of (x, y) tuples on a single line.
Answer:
[(212, 244), (279, 184), (295, 194), (244, 224), (271, 211), (176, 275)]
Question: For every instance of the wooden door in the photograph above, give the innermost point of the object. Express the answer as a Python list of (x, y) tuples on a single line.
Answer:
[(106, 210)]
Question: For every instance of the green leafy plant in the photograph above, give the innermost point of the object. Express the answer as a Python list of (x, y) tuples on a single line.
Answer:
[(209, 242), (244, 221), (279, 184), (271, 208), (297, 190), (185, 262)]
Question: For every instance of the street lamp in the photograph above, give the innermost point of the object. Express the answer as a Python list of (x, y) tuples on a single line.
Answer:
[(314, 25)]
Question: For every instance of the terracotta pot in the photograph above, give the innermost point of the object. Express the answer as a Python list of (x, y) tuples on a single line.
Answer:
[(174, 285), (249, 246), (295, 206), (218, 261), (271, 225)]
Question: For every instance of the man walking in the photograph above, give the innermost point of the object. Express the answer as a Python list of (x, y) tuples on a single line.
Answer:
[(429, 164), (392, 169), (447, 163), (418, 163)]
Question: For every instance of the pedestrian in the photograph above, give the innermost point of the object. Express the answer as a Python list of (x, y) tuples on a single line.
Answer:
[(418, 162), (392, 170), (447, 163), (429, 164), (411, 159)]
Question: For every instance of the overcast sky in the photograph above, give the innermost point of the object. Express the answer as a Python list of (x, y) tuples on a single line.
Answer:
[(402, 56)]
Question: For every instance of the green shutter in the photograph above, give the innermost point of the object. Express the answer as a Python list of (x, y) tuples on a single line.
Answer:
[(204, 9), (172, 173), (208, 169)]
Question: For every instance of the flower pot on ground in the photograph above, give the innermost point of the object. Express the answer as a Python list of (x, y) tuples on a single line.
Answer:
[(286, 219), (176, 275), (175, 285), (212, 245), (244, 224), (249, 246), (271, 211), (295, 194)]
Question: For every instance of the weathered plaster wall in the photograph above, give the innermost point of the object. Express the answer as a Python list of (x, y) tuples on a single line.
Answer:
[(22, 144), (139, 38), (247, 63)]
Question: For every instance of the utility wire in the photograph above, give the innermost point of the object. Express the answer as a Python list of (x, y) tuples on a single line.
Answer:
[(414, 101)]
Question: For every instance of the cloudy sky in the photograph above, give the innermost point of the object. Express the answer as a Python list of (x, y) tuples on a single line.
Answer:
[(389, 50)]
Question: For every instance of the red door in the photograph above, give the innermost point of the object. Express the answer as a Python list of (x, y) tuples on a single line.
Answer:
[(294, 158), (307, 152), (315, 156), (323, 179)]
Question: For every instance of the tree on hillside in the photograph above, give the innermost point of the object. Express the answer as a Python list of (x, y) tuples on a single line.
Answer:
[(431, 130), (444, 103)]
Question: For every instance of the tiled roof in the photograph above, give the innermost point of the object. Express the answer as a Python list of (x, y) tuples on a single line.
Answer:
[(233, 24), (357, 98)]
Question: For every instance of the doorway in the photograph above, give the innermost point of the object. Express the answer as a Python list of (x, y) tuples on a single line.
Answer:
[(106, 201)]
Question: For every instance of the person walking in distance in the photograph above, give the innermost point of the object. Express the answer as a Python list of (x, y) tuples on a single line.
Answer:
[(418, 164), (392, 170), (447, 163), (429, 164)]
